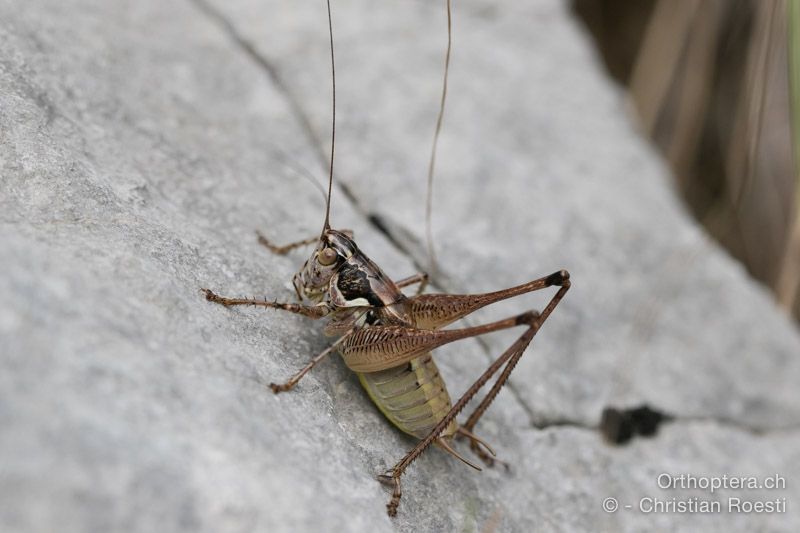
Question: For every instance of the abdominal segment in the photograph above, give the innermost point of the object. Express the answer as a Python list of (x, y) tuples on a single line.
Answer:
[(412, 396)]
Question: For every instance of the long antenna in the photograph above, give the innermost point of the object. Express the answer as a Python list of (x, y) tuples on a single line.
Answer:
[(432, 163), (333, 123)]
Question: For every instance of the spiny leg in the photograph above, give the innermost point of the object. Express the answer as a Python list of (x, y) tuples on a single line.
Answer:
[(288, 385), (317, 311), (434, 311), (393, 477), (310, 311), (469, 426), (379, 347), (513, 353)]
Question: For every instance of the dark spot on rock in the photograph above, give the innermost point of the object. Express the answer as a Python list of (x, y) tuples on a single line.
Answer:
[(618, 426)]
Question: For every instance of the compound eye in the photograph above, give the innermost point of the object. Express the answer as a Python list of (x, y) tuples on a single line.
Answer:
[(327, 256)]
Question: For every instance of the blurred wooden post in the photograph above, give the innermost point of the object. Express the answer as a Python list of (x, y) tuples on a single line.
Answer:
[(788, 283)]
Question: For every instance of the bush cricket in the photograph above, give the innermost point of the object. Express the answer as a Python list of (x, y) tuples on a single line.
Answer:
[(387, 337)]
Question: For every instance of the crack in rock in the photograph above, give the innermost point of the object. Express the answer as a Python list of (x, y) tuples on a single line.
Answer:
[(270, 69), (274, 75)]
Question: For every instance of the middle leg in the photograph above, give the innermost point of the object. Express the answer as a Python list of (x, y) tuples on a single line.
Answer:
[(289, 385), (421, 278)]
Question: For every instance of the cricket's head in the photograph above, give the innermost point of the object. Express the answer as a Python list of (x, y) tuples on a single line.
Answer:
[(332, 251)]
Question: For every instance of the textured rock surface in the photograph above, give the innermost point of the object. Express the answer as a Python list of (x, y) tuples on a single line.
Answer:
[(141, 143)]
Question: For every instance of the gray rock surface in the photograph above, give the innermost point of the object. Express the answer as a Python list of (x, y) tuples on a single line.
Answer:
[(141, 143)]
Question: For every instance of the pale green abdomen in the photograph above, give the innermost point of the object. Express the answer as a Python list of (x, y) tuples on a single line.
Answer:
[(412, 396)]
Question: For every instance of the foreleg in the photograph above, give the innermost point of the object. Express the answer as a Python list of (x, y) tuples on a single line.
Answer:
[(310, 311), (286, 248)]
